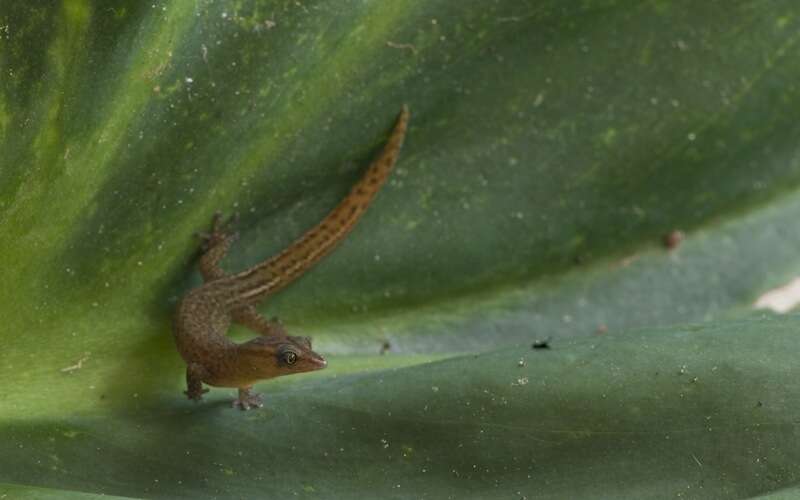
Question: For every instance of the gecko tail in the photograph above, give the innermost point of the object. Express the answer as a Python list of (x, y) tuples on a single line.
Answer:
[(279, 271)]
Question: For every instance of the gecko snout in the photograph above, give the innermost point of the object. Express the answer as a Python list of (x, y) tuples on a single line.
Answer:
[(318, 361)]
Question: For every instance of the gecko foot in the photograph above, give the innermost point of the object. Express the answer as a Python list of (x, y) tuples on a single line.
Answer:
[(247, 399), (195, 395), (221, 232)]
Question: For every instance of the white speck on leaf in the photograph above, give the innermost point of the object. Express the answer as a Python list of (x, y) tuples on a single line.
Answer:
[(520, 381)]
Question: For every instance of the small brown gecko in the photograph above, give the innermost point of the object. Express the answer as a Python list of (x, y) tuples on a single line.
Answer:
[(205, 313)]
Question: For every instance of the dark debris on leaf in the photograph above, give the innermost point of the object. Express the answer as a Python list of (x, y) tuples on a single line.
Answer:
[(541, 344)]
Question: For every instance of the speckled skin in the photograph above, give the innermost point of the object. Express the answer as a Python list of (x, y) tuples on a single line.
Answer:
[(205, 313)]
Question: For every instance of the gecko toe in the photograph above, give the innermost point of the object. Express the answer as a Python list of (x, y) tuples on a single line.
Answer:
[(248, 402), (245, 405), (227, 227), (195, 396), (221, 232)]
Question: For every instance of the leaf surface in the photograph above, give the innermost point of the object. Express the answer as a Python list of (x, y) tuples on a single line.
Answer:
[(553, 146)]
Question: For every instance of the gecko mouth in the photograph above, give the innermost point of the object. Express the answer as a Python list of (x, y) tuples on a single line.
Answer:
[(318, 362)]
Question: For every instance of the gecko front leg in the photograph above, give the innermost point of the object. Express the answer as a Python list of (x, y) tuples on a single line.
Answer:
[(247, 399), (195, 373), (215, 246)]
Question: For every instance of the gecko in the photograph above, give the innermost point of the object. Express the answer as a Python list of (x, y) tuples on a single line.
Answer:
[(205, 313)]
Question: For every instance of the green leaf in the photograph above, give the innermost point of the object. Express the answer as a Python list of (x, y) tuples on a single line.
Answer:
[(552, 146), (25, 492), (700, 412)]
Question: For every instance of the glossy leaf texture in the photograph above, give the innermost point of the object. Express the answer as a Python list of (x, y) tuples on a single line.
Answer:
[(700, 412), (553, 146)]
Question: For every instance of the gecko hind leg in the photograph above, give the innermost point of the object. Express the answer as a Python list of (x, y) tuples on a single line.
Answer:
[(247, 399), (250, 317), (194, 382), (215, 245)]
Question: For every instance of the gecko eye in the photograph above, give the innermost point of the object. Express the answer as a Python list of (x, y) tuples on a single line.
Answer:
[(289, 358)]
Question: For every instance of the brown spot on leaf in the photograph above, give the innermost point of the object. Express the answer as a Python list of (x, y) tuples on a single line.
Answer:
[(673, 239)]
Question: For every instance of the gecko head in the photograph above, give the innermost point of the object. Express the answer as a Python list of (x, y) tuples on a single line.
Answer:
[(268, 357)]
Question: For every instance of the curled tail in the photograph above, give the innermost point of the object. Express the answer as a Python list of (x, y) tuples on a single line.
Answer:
[(279, 271)]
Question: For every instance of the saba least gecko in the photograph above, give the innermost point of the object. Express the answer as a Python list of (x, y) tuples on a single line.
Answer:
[(205, 313)]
